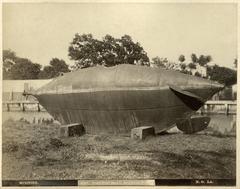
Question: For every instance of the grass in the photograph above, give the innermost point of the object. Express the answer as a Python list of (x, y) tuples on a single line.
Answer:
[(35, 151)]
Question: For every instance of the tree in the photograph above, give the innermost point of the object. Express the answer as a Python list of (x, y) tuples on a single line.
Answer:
[(183, 66), (192, 65), (208, 58), (87, 51), (203, 60), (159, 62), (181, 58), (9, 58), (48, 72), (9, 54), (223, 75), (7, 66), (55, 68), (25, 69), (59, 66), (235, 62), (198, 74), (15, 67), (133, 52), (194, 58)]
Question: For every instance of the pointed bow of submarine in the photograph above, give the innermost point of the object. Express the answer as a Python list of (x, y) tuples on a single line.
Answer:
[(216, 87), (203, 88), (195, 91)]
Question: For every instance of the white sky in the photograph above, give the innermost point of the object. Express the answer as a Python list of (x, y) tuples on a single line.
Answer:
[(41, 31)]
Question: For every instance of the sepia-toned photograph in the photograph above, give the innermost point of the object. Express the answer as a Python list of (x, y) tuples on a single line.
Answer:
[(119, 94)]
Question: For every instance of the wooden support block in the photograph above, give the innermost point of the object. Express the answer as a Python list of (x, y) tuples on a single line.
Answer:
[(75, 129), (142, 132)]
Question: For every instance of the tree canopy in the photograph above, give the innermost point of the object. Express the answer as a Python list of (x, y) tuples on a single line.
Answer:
[(19, 68), (235, 63), (9, 54), (223, 75), (194, 58), (192, 65), (15, 67), (159, 62), (87, 51), (183, 66), (55, 68), (9, 58), (25, 69), (201, 60), (181, 58)]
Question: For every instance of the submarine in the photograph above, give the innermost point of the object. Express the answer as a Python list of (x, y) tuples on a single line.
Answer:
[(114, 100)]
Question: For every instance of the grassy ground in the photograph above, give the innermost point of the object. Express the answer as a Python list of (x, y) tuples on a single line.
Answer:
[(35, 151)]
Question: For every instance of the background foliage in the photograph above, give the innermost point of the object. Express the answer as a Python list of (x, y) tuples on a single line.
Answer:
[(86, 51), (15, 67)]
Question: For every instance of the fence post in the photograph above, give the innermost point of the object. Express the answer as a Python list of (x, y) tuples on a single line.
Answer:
[(23, 107), (8, 107), (38, 107), (202, 110), (227, 108)]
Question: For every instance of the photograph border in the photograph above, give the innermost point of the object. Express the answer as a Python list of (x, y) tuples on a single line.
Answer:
[(189, 183)]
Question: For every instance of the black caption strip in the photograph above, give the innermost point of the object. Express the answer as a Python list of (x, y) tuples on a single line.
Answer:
[(39, 183), (195, 182)]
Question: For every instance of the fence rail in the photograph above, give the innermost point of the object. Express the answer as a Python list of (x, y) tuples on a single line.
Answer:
[(21, 105), (221, 106)]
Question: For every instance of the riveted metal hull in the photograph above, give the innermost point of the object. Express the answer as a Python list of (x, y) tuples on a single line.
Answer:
[(115, 100), (116, 111)]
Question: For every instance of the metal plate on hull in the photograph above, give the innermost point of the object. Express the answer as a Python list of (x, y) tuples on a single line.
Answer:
[(116, 112)]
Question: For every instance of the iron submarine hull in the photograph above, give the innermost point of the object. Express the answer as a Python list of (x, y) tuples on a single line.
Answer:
[(116, 99)]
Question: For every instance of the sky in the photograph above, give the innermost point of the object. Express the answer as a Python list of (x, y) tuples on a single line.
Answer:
[(42, 31)]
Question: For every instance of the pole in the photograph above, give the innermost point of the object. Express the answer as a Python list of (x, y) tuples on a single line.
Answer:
[(8, 107), (227, 109), (38, 107), (23, 107)]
